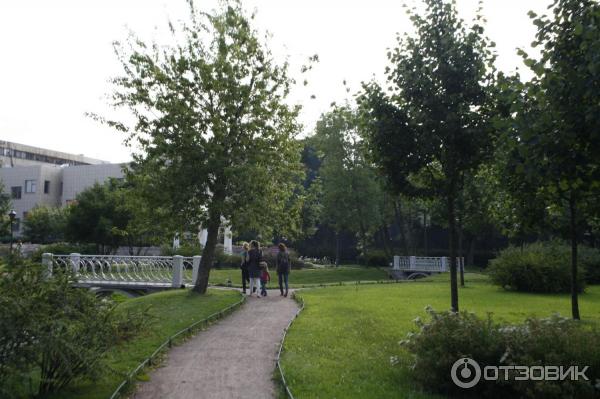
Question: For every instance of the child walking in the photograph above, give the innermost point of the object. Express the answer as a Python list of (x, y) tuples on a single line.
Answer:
[(265, 277)]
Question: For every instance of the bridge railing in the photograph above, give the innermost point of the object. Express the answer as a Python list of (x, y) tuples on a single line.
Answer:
[(425, 263), (118, 269)]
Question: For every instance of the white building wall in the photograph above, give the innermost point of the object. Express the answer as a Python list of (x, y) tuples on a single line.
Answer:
[(78, 178), (16, 177)]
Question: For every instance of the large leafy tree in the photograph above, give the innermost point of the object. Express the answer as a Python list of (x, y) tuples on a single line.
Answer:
[(99, 217), (215, 132), (556, 139), (351, 194), (45, 224), (434, 119)]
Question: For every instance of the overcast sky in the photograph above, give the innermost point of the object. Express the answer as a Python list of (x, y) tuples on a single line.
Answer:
[(56, 56)]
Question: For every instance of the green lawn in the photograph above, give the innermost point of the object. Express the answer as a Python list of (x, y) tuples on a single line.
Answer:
[(307, 277), (340, 346), (172, 311)]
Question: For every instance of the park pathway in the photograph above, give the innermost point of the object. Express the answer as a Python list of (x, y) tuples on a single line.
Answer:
[(234, 358)]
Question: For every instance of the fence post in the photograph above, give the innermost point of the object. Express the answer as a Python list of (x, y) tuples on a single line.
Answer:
[(195, 268), (396, 262), (177, 271), (461, 261), (75, 257), (444, 263), (47, 263), (413, 262)]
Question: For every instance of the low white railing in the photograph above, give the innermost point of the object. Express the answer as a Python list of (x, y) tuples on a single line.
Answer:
[(425, 263), (118, 269)]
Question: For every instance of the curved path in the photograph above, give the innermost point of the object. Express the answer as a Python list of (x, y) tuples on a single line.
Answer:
[(234, 358)]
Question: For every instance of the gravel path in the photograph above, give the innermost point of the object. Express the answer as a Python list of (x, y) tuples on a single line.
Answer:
[(233, 358)]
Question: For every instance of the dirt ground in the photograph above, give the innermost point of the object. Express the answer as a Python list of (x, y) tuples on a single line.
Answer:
[(234, 358)]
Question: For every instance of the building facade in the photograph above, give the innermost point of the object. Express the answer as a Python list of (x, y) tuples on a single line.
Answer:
[(48, 178)]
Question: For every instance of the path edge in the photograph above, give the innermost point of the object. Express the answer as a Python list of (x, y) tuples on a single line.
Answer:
[(169, 342), (283, 381)]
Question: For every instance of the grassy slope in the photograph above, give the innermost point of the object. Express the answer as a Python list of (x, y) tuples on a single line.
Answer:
[(340, 346), (172, 311), (302, 277)]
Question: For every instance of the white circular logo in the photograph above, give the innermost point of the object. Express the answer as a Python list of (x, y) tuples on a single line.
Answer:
[(465, 373)]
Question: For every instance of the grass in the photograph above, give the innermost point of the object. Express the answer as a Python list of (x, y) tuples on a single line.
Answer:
[(306, 277), (340, 346), (172, 311)]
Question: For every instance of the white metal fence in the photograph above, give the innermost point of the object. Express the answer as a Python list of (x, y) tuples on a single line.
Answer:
[(127, 270), (425, 263)]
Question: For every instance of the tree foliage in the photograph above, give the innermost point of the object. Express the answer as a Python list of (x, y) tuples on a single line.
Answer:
[(433, 126), (45, 224), (214, 128), (555, 140), (99, 217)]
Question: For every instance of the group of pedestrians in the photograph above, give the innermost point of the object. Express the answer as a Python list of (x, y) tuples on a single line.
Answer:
[(255, 270)]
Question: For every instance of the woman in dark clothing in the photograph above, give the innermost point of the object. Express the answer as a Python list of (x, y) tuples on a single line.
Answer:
[(254, 259), (283, 268), (244, 266)]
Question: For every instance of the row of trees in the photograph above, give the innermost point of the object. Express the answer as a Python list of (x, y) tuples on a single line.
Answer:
[(108, 215), (218, 137), (450, 120)]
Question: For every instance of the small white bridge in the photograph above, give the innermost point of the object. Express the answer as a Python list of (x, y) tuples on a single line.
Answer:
[(411, 267), (126, 273)]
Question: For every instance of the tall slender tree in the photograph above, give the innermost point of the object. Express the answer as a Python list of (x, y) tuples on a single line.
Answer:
[(434, 119), (556, 139), (214, 128)]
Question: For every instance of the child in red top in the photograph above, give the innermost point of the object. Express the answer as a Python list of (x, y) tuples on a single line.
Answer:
[(265, 277)]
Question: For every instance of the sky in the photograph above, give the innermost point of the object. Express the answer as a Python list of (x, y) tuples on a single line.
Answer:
[(56, 57)]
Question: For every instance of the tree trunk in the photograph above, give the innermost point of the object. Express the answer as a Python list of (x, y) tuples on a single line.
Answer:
[(471, 253), (574, 285), (386, 241), (337, 249), (400, 223), (425, 243), (460, 252), (452, 231), (208, 253)]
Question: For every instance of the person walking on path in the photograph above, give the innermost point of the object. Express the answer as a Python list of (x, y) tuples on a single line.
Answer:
[(254, 259), (283, 268), (265, 277), (244, 266)]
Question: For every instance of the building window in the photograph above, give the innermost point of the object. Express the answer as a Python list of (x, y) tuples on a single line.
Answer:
[(46, 186), (30, 186), (25, 215), (16, 192)]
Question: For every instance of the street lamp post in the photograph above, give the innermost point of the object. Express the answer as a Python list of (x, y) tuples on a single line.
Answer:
[(12, 214)]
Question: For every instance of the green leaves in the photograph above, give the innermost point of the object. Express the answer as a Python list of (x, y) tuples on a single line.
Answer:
[(212, 120)]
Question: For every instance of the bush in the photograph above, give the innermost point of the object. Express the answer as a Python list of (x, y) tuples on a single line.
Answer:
[(62, 248), (186, 249), (374, 257), (539, 267), (589, 259), (51, 330), (554, 341)]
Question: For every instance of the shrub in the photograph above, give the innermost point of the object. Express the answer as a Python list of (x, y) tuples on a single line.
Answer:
[(589, 259), (50, 329), (555, 341), (374, 257), (539, 267), (62, 248), (186, 249)]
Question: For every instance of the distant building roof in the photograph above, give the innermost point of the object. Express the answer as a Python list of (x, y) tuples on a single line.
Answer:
[(15, 154)]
